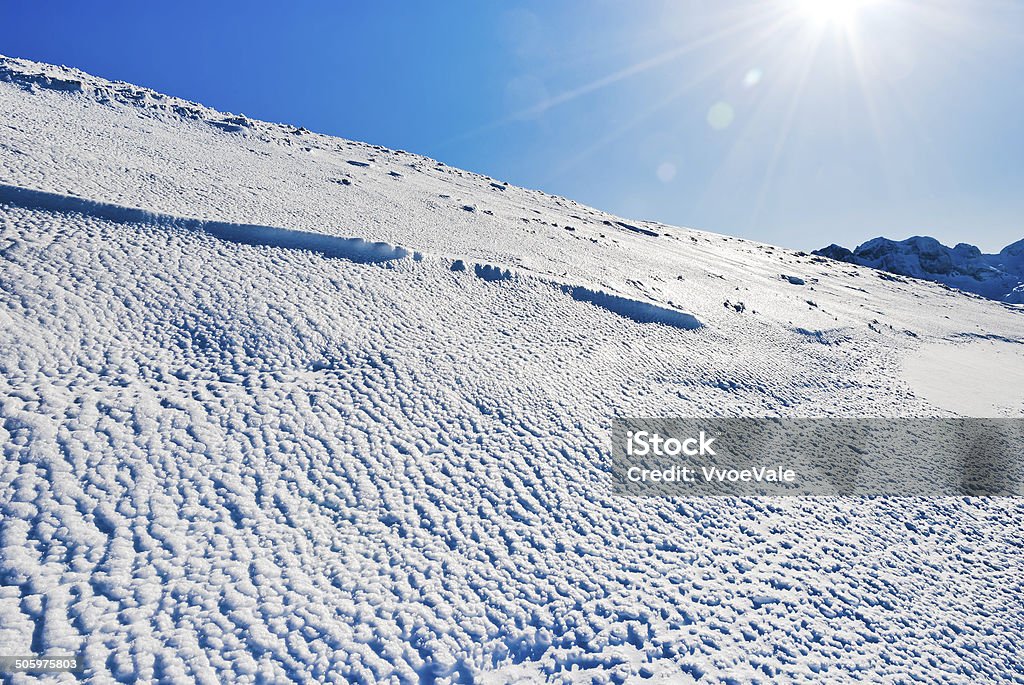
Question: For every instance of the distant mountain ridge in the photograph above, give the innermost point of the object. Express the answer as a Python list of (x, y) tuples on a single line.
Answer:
[(965, 267)]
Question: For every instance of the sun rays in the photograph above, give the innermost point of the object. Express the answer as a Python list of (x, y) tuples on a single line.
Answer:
[(749, 90)]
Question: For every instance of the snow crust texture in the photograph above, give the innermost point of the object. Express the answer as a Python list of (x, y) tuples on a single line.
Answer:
[(276, 406)]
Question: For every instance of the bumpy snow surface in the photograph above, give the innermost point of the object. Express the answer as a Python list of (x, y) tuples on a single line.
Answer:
[(276, 406)]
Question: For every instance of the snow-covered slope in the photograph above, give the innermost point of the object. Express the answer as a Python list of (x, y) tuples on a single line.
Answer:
[(276, 406), (995, 276)]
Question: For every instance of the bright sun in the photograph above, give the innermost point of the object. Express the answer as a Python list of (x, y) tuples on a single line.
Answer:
[(840, 12)]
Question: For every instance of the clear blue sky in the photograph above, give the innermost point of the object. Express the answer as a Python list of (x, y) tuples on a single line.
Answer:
[(781, 120)]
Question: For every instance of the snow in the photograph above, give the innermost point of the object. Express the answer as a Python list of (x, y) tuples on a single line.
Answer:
[(980, 378), (275, 406)]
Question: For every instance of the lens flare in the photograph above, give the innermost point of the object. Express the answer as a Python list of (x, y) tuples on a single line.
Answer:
[(720, 115)]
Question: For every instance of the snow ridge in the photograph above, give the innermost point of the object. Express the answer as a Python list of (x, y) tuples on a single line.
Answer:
[(353, 249)]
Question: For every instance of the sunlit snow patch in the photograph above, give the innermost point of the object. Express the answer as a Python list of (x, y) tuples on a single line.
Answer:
[(982, 379)]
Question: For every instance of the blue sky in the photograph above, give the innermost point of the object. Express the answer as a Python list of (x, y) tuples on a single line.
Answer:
[(796, 122)]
